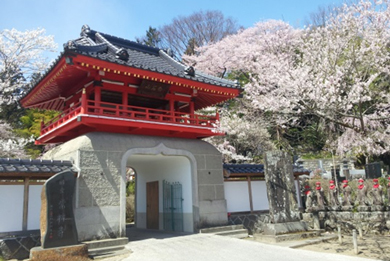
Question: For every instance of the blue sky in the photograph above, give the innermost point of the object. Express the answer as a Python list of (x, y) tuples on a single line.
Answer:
[(131, 18)]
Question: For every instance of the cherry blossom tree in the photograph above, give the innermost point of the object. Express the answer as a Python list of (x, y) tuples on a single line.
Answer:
[(21, 59), (337, 72), (10, 145), (246, 138)]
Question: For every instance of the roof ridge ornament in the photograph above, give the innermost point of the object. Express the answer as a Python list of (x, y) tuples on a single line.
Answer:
[(189, 70), (120, 53), (85, 30)]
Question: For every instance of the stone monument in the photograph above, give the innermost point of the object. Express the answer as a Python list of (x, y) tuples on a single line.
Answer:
[(59, 239), (282, 197)]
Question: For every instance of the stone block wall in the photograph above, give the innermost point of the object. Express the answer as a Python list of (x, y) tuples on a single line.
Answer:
[(254, 222), (375, 222)]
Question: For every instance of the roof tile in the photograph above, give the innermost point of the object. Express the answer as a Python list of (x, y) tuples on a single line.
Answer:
[(140, 56)]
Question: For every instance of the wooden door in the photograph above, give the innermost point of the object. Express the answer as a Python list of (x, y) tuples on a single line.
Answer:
[(152, 206)]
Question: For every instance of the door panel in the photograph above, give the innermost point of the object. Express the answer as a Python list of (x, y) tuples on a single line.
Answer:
[(152, 205)]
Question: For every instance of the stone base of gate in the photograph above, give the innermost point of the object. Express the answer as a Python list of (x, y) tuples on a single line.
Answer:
[(69, 253)]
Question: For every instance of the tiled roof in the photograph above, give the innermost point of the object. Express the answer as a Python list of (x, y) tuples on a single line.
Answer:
[(125, 52), (17, 166), (244, 168), (256, 168)]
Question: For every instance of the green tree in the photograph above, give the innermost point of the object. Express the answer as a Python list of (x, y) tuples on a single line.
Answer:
[(151, 39)]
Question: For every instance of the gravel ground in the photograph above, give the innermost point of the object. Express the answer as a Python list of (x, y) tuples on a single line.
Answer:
[(374, 247)]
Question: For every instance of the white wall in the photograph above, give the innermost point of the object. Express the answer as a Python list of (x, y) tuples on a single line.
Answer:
[(34, 207), (237, 195), (259, 193), (158, 168), (11, 204)]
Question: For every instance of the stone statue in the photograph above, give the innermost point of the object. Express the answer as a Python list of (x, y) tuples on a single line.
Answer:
[(346, 204), (334, 203), (309, 199), (362, 199), (320, 196), (376, 194)]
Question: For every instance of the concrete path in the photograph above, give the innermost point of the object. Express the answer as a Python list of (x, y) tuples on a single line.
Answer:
[(204, 247)]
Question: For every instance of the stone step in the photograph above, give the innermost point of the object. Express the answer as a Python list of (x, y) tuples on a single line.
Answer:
[(104, 252), (238, 233), (121, 241), (106, 247), (214, 230)]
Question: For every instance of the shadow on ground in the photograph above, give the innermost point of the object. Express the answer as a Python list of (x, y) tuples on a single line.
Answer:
[(137, 234)]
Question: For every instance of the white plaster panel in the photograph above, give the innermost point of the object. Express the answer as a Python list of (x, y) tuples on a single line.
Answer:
[(237, 196), (259, 195), (11, 203), (34, 207)]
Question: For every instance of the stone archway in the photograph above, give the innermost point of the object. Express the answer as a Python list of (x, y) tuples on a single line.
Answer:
[(173, 165), (100, 196)]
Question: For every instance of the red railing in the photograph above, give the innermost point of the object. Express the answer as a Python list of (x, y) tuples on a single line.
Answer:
[(131, 112), (61, 118)]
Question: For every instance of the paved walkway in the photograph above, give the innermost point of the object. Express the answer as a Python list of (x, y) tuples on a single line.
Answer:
[(164, 246)]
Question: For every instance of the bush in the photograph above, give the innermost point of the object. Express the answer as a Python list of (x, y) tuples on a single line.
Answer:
[(130, 209), (130, 188)]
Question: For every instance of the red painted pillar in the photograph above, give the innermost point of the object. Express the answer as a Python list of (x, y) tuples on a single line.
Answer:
[(192, 113), (125, 101), (83, 101), (172, 109), (98, 98), (192, 108)]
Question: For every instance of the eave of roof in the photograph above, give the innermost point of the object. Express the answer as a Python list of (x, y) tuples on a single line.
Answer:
[(240, 170), (21, 168), (140, 57)]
